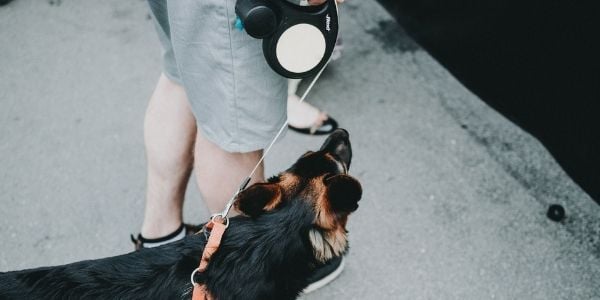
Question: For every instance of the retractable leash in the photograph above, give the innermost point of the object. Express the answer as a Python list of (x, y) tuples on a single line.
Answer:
[(298, 41)]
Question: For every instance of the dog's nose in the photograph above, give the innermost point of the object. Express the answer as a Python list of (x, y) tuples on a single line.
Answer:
[(341, 132), (338, 143)]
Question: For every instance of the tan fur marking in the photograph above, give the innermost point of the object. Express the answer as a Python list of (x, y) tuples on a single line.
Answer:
[(288, 183), (325, 218), (328, 244), (275, 200), (331, 239)]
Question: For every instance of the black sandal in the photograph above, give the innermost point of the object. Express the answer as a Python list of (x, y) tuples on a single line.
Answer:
[(328, 126)]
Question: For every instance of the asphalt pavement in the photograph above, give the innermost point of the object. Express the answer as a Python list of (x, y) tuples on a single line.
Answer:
[(455, 196)]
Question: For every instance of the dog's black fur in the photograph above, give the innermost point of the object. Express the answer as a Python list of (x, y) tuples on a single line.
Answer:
[(291, 224)]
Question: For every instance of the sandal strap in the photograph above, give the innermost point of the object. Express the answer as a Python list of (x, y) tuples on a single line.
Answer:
[(329, 122)]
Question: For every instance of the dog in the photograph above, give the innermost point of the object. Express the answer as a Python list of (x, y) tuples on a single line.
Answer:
[(288, 226)]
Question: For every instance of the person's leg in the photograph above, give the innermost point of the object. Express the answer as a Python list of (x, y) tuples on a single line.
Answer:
[(219, 173), (169, 133)]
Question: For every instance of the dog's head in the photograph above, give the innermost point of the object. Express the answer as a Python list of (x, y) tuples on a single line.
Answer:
[(319, 178)]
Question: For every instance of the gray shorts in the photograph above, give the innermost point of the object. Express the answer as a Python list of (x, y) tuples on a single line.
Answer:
[(238, 101)]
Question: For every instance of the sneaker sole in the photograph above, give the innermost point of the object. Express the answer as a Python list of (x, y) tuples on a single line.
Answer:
[(325, 280)]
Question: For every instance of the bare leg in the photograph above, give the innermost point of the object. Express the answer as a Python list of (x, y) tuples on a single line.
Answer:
[(219, 173), (169, 133)]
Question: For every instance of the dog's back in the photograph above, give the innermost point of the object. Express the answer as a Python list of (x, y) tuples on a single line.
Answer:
[(267, 257), (157, 272)]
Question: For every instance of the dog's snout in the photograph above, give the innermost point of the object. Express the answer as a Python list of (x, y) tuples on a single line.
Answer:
[(338, 143), (342, 131)]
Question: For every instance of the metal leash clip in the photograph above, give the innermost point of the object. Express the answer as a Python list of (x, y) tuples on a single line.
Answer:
[(232, 200), (194, 283), (215, 219)]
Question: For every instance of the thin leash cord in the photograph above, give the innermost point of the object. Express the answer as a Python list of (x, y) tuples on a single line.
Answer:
[(268, 149)]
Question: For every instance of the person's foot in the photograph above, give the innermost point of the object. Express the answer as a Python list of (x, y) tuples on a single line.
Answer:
[(325, 274), (337, 50), (307, 119)]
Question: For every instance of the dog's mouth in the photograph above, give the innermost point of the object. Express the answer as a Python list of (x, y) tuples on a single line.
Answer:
[(338, 145)]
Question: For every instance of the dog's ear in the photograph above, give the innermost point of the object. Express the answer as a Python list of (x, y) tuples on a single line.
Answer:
[(258, 198), (343, 192)]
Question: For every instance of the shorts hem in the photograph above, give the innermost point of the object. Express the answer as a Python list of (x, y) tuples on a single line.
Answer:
[(174, 79), (236, 147)]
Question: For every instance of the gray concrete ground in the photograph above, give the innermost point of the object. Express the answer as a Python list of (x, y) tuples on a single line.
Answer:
[(454, 194)]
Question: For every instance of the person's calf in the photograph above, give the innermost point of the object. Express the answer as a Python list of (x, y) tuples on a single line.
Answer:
[(219, 173), (169, 134)]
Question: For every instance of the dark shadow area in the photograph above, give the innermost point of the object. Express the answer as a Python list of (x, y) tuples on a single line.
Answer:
[(536, 62)]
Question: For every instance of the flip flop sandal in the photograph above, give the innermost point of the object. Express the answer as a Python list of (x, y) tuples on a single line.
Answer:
[(328, 126)]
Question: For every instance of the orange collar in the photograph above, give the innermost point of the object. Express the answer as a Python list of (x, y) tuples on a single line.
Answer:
[(217, 229)]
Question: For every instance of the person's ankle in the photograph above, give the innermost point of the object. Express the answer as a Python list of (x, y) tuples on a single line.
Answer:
[(173, 236), (159, 229)]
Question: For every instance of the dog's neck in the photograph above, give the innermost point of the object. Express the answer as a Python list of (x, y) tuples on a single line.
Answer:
[(297, 217), (328, 244), (286, 236)]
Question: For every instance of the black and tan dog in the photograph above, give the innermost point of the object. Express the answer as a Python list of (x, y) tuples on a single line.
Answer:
[(292, 223)]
